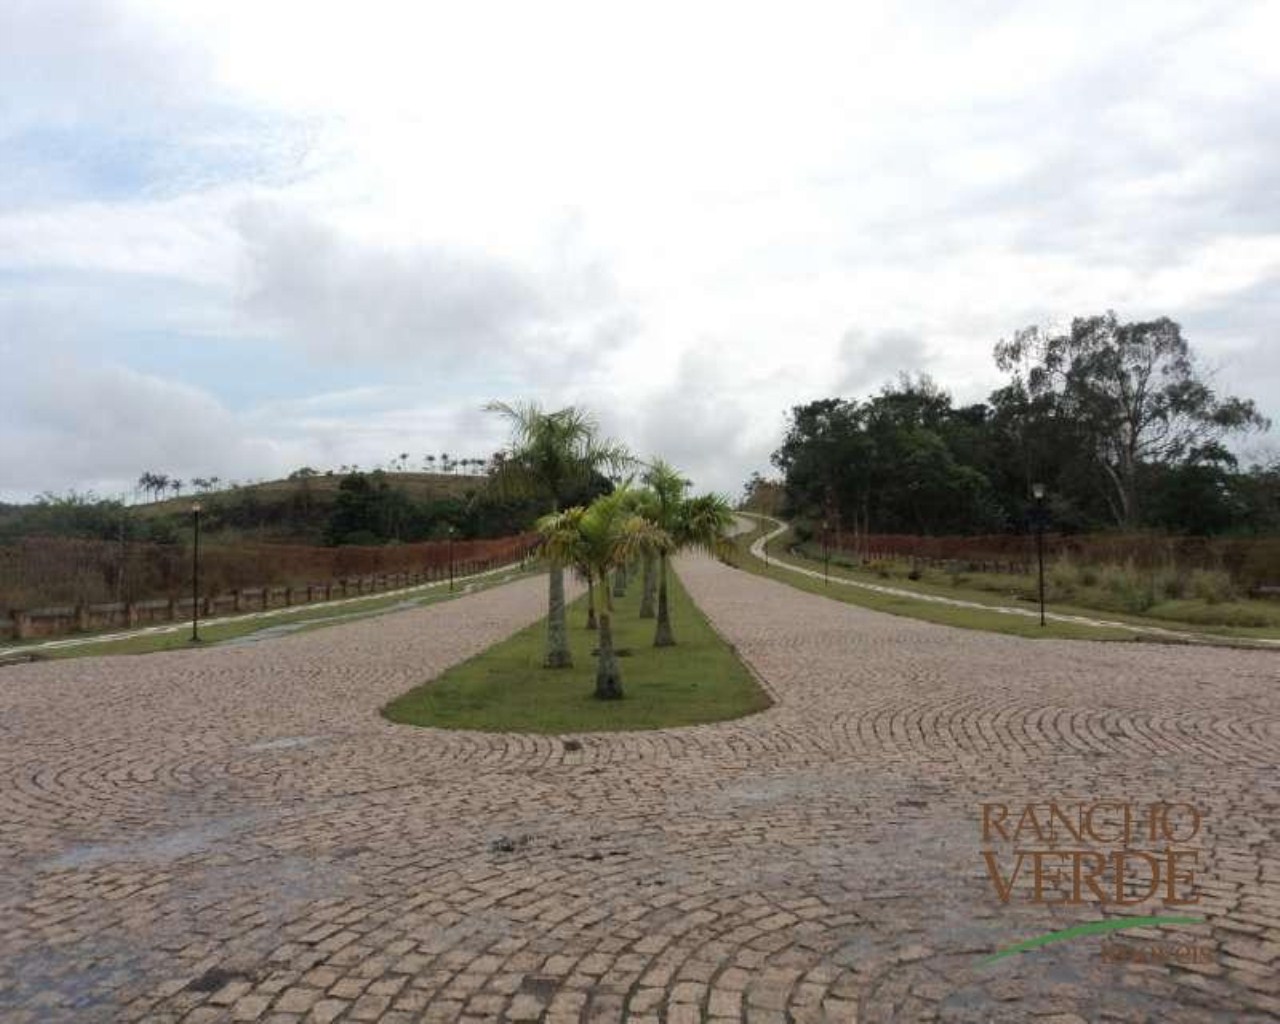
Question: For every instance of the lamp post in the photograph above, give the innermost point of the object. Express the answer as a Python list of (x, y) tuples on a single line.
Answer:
[(452, 531), (1037, 492), (195, 574), (826, 553)]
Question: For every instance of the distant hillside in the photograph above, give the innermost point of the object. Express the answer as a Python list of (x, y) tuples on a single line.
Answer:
[(323, 487), (352, 508)]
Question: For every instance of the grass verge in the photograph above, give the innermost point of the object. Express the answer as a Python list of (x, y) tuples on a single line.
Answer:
[(1242, 618), (966, 618), (506, 689), (946, 615)]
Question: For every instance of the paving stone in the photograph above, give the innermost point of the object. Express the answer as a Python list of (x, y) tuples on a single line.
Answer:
[(327, 1010), (250, 1007), (235, 833)]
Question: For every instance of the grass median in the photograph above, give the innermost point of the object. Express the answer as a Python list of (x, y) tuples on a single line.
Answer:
[(506, 689)]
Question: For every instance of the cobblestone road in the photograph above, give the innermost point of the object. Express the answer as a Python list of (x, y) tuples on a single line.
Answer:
[(235, 834)]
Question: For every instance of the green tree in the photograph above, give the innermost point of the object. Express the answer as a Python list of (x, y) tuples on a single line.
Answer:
[(904, 460), (1135, 391), (702, 522), (666, 488), (761, 495), (553, 455), (368, 510), (601, 538)]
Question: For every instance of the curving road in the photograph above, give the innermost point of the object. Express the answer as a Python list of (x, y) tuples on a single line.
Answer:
[(235, 834)]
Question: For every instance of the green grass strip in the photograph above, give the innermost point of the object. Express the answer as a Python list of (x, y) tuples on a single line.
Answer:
[(506, 689), (1093, 928), (865, 589), (907, 606)]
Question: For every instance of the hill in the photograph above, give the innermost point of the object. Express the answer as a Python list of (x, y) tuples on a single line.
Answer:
[(313, 509), (354, 508), (323, 487)]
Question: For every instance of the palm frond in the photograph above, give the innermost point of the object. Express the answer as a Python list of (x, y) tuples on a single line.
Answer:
[(703, 522), (562, 535), (553, 451)]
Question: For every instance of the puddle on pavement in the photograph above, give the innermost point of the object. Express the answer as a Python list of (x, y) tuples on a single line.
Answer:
[(285, 743), (285, 628), (167, 846)]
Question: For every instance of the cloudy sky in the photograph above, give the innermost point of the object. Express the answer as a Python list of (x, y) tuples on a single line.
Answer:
[(241, 237)]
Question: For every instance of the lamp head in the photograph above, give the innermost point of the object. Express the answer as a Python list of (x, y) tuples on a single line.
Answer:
[(1037, 491), (195, 507)]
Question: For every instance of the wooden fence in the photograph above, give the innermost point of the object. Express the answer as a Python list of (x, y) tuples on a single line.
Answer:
[(435, 562)]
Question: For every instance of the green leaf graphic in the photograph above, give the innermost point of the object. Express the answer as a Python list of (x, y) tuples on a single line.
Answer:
[(1093, 928)]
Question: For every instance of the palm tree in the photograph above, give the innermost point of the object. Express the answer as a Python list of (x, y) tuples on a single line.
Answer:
[(649, 588), (550, 454), (701, 522), (600, 538), (666, 492)]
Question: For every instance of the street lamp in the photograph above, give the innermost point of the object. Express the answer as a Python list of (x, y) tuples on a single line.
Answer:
[(1037, 492), (195, 574), (452, 531)]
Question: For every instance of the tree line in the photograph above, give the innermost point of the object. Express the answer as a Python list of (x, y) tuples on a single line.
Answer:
[(1116, 420), (370, 509)]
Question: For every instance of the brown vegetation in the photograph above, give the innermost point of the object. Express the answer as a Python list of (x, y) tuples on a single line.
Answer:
[(40, 571), (1248, 561)]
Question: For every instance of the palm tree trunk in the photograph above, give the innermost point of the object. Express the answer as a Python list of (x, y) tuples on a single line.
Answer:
[(650, 592), (663, 636), (591, 601), (558, 654), (620, 581), (608, 673)]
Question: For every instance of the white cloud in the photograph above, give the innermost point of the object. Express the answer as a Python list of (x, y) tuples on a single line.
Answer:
[(188, 238), (73, 63), (100, 426), (354, 301), (689, 219)]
